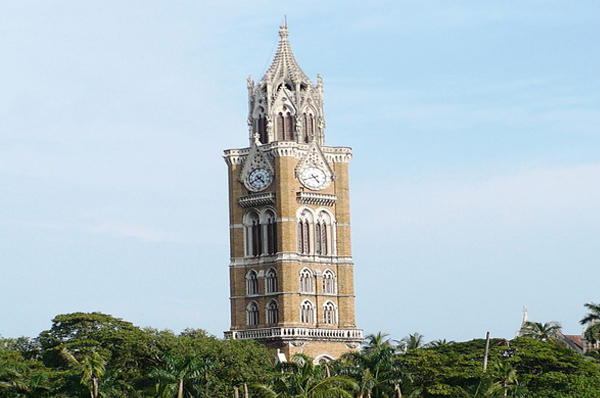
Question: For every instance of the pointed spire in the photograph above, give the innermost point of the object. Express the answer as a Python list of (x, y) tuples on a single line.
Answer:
[(284, 63), (523, 322)]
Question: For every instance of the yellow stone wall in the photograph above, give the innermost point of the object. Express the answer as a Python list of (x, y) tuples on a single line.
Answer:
[(288, 263)]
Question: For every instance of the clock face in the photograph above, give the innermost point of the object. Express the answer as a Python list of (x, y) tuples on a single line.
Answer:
[(258, 179), (313, 178)]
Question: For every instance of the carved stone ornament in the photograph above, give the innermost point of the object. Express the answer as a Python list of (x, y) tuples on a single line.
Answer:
[(313, 170), (258, 164), (297, 343), (352, 345)]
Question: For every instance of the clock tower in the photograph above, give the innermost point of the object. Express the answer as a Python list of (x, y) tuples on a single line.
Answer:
[(291, 269)]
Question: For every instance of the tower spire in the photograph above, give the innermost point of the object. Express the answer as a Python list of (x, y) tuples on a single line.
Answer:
[(284, 65)]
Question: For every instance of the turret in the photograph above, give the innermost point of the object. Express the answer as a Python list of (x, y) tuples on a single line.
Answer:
[(284, 105)]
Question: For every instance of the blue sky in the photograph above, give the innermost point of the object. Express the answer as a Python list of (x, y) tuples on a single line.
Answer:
[(475, 184)]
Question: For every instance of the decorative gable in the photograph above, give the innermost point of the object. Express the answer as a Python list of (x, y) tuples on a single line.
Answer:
[(314, 157), (256, 159)]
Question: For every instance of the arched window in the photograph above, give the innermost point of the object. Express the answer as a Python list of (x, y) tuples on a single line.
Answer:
[(253, 235), (319, 247), (329, 313), (307, 312), (261, 125), (329, 282), (271, 281), (306, 281), (262, 129), (305, 221), (252, 314), (272, 312), (280, 127), (288, 127), (251, 283), (271, 232), (324, 234), (309, 126), (256, 238), (285, 125)]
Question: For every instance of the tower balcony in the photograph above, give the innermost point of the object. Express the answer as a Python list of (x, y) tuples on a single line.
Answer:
[(297, 333)]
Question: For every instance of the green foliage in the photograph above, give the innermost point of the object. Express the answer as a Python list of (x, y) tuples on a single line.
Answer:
[(97, 355), (300, 378), (541, 331)]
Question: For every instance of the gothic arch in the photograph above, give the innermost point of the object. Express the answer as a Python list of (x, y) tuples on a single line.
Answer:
[(259, 118), (323, 359), (325, 232), (253, 235), (252, 314), (329, 282), (307, 312), (251, 283), (305, 218), (272, 311), (309, 124), (307, 280), (268, 219), (330, 313), (271, 281)]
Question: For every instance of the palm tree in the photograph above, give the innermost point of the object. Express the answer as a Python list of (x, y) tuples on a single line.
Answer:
[(505, 375), (91, 367), (592, 320), (182, 375), (300, 378), (412, 342), (549, 331), (440, 343), (375, 368)]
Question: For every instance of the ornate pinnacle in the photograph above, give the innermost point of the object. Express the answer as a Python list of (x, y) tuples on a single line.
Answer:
[(283, 32)]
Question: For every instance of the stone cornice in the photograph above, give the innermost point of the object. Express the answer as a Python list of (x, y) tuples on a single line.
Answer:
[(257, 199), (314, 198), (283, 257), (289, 149)]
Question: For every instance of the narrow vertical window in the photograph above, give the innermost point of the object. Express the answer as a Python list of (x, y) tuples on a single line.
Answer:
[(288, 123), (251, 283), (300, 237), (307, 313), (305, 237), (252, 234), (256, 238), (311, 125), (329, 282), (280, 128), (252, 316), (271, 281), (305, 127), (262, 129), (271, 233), (323, 239), (306, 281), (318, 245), (329, 313), (272, 312)]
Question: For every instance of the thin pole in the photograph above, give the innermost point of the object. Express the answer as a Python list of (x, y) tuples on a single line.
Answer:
[(487, 350)]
